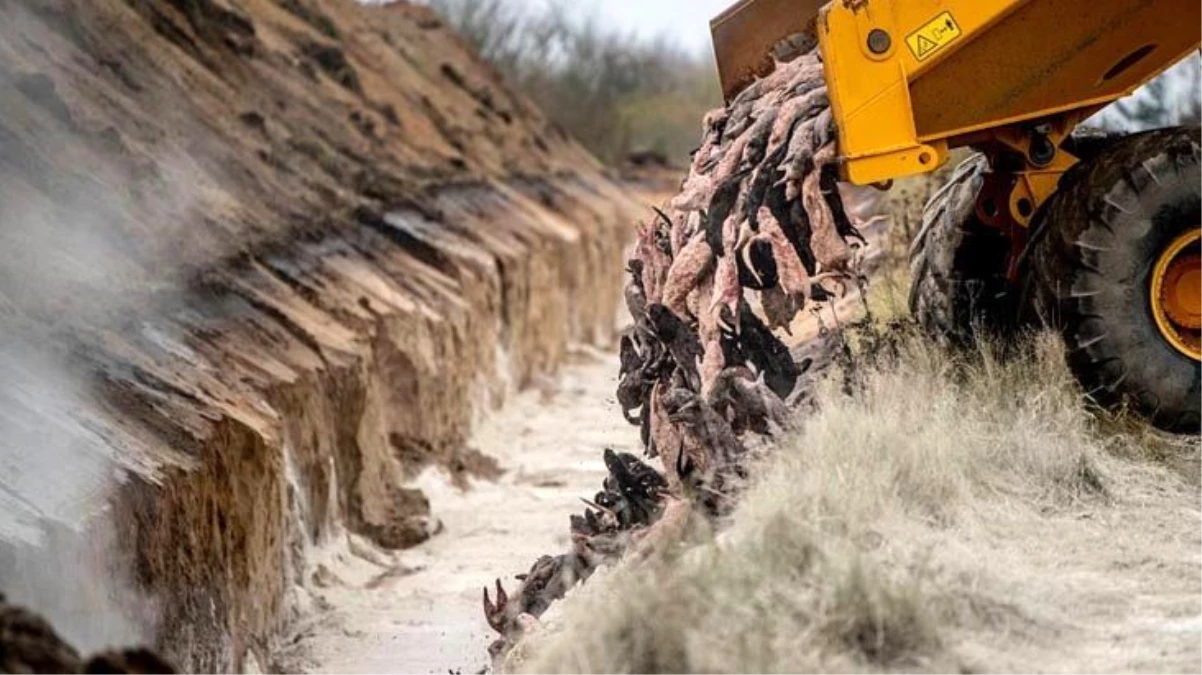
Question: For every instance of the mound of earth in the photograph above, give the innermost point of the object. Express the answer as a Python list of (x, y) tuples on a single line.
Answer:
[(261, 262)]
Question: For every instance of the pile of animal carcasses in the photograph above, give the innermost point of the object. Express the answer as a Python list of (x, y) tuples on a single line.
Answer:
[(760, 214), (631, 499)]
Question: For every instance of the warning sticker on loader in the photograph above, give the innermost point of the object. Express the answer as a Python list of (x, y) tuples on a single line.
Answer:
[(935, 35)]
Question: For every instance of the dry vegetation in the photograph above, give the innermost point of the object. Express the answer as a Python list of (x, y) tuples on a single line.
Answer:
[(938, 512), (612, 91), (850, 549)]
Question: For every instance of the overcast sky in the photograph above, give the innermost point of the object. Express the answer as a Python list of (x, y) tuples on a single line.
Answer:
[(686, 21)]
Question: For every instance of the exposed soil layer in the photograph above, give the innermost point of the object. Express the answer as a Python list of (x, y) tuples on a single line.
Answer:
[(295, 247)]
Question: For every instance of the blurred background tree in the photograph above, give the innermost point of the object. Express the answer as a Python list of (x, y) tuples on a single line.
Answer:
[(1174, 98), (616, 92)]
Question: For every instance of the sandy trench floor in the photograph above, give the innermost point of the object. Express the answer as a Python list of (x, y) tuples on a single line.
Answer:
[(420, 611)]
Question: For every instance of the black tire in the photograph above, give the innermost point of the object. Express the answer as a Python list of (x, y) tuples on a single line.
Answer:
[(1090, 262), (957, 263)]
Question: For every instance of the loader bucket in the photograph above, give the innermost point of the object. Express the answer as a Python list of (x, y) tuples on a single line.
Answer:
[(748, 34), (910, 79)]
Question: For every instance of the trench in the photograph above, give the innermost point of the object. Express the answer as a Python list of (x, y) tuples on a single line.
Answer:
[(314, 399), (419, 611), (266, 266)]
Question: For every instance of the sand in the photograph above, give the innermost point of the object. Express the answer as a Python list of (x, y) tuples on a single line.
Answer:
[(420, 611)]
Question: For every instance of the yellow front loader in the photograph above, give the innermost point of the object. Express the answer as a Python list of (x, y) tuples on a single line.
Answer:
[(1097, 234)]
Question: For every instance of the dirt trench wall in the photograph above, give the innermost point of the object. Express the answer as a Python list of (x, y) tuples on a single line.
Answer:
[(335, 377), (285, 251)]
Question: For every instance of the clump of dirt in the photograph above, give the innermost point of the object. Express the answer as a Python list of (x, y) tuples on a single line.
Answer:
[(468, 463), (29, 644), (463, 464)]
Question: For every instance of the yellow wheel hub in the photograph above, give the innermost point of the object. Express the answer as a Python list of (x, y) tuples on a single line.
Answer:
[(1177, 294)]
